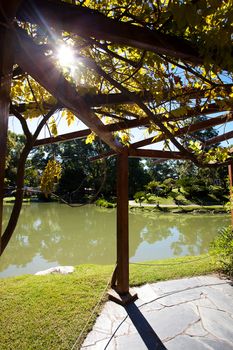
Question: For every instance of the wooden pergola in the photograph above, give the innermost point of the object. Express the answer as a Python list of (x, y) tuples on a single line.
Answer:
[(20, 53)]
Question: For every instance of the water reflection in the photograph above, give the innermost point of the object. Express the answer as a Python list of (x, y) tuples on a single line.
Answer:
[(166, 235), (51, 234)]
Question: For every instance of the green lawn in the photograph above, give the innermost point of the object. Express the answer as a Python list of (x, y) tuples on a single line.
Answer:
[(49, 312), (12, 199)]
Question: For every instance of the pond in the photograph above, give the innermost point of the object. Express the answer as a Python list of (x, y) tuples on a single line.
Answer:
[(51, 234)]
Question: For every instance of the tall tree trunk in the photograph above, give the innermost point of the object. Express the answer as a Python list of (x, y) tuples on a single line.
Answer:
[(7, 11), (18, 198)]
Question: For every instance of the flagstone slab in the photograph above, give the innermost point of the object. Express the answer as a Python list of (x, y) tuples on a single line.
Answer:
[(196, 330), (170, 322), (133, 341), (226, 288), (93, 338), (220, 299), (217, 344), (188, 314), (212, 279), (184, 297), (185, 342), (218, 323), (162, 288)]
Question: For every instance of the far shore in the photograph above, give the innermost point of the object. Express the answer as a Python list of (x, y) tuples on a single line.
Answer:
[(179, 209)]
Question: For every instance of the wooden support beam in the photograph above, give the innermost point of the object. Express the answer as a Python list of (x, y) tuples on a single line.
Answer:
[(114, 99), (182, 131), (157, 154), (187, 130), (64, 137), (33, 61), (99, 100), (220, 138), (144, 153), (89, 23), (120, 282), (122, 274), (230, 174), (127, 124)]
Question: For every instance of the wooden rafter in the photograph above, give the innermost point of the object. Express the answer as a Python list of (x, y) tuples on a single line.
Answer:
[(126, 124), (46, 74), (181, 132), (89, 23), (144, 153), (150, 153), (64, 137), (224, 137), (187, 130), (113, 99), (98, 100)]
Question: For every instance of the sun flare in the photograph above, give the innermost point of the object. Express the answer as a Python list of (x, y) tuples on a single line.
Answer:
[(65, 56)]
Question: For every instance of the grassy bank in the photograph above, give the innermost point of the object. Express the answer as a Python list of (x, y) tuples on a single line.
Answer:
[(49, 312), (180, 209)]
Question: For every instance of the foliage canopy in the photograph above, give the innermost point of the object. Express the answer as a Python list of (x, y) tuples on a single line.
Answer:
[(159, 64), (185, 74)]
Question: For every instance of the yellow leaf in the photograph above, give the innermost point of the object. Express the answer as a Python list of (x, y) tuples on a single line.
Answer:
[(70, 117), (90, 138), (53, 127)]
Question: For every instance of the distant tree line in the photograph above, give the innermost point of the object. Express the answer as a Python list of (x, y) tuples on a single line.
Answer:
[(83, 180)]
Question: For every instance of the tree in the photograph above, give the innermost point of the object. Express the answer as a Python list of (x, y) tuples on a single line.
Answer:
[(80, 177), (138, 177), (31, 176), (159, 171), (14, 147)]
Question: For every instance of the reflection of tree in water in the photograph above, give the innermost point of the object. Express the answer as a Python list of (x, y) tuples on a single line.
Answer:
[(63, 234), (89, 237), (155, 227), (83, 237), (194, 232), (88, 234), (20, 250)]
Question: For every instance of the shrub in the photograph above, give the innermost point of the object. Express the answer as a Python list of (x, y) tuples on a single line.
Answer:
[(139, 197), (222, 247), (101, 202)]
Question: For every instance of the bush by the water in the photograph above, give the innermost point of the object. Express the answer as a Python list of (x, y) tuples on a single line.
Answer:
[(101, 202), (222, 247)]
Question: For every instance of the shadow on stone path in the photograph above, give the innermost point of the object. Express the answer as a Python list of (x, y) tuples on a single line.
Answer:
[(187, 314), (146, 332)]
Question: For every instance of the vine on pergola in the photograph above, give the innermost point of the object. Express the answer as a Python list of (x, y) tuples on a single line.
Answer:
[(160, 64)]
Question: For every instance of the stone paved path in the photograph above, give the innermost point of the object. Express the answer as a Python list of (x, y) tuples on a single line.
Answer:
[(187, 314)]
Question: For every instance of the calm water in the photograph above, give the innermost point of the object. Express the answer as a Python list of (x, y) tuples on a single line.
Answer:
[(54, 234)]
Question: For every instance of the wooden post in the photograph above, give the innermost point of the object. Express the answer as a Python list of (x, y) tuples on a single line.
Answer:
[(230, 173), (120, 283), (122, 273), (7, 10)]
